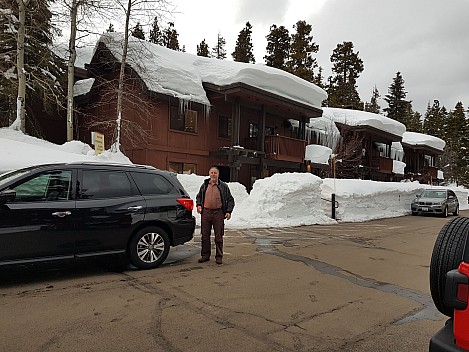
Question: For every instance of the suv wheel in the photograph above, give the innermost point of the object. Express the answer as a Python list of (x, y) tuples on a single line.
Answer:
[(149, 247), (447, 255), (445, 212), (456, 211)]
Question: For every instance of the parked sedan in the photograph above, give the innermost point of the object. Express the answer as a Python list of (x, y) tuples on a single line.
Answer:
[(79, 210), (437, 201)]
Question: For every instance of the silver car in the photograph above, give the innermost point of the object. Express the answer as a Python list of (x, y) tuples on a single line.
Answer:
[(436, 201)]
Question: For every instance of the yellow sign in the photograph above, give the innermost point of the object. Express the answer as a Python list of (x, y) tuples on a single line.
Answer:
[(98, 141)]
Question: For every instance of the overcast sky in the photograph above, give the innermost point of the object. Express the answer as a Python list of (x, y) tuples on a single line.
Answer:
[(426, 40)]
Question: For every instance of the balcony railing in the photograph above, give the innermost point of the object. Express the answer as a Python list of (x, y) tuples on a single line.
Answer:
[(382, 164), (285, 148)]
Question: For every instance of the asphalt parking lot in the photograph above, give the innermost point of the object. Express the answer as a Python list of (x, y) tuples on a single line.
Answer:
[(345, 287)]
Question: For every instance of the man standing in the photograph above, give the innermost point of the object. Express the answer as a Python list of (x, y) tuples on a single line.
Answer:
[(215, 204)]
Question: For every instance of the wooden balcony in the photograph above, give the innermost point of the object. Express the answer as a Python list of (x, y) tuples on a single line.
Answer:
[(430, 172), (285, 148), (382, 164)]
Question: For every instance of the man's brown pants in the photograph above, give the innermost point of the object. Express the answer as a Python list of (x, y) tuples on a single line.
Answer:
[(216, 219)]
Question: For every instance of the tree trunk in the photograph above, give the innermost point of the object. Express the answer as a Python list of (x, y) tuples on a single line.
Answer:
[(20, 101), (120, 90), (71, 67)]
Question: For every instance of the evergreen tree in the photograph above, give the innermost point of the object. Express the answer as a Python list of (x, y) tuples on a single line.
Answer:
[(278, 47), (410, 118), (373, 105), (46, 72), (202, 49), (170, 37), (110, 29), (218, 51), (137, 31), (415, 121), (156, 37), (464, 150), (301, 62), (456, 139), (243, 49), (396, 99), (435, 120), (318, 79), (346, 67)]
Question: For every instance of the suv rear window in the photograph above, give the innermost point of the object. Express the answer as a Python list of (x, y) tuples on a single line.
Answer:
[(150, 183), (105, 184)]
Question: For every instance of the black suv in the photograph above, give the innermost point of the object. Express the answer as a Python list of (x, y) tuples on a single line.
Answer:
[(449, 285), (78, 210)]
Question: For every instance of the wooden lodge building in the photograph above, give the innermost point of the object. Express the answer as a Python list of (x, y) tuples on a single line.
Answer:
[(237, 120), (185, 113)]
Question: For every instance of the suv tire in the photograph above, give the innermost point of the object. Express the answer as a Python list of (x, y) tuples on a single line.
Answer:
[(149, 247), (447, 255), (456, 211)]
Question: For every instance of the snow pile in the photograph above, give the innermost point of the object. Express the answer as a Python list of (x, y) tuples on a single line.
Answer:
[(20, 150), (318, 154), (282, 200)]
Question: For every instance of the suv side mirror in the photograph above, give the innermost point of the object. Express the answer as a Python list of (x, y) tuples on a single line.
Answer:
[(7, 195)]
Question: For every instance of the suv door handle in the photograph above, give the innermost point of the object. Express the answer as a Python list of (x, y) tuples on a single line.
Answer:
[(135, 208), (62, 214)]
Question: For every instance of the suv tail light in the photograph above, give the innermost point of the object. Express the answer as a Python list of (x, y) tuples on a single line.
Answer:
[(460, 284), (186, 203)]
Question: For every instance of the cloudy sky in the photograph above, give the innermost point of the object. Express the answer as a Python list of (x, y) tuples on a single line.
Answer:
[(426, 40)]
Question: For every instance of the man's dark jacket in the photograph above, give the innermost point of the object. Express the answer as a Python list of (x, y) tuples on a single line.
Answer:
[(227, 200)]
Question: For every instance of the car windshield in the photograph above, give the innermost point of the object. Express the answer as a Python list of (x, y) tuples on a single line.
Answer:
[(434, 194), (8, 176)]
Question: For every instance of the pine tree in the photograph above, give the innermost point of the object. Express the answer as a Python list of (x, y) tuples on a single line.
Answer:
[(243, 49), (156, 37), (415, 121), (170, 37), (218, 51), (434, 121), (396, 99), (110, 29), (346, 67), (411, 119), (46, 72), (373, 105), (464, 154), (455, 155), (318, 79), (278, 47), (137, 31), (301, 62), (202, 49)]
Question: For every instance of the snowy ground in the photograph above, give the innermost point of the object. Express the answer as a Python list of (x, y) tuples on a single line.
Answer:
[(282, 200)]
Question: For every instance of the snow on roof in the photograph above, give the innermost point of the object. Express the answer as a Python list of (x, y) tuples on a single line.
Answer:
[(415, 138), (181, 74), (318, 154), (82, 86), (364, 118)]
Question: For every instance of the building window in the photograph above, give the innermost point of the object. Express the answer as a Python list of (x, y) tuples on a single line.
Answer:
[(183, 168), (224, 126), (253, 130), (183, 121), (269, 131)]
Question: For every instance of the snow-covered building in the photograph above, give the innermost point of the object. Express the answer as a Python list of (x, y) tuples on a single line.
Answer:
[(365, 147), (420, 155), (184, 113)]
